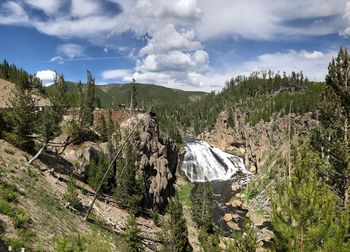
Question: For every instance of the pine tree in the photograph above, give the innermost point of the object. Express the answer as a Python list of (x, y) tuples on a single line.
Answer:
[(87, 102), (202, 214), (304, 213), (230, 120), (3, 126), (335, 122), (20, 118), (49, 123), (203, 206), (53, 114), (96, 169), (132, 235), (103, 129), (81, 131), (133, 94), (71, 194), (129, 187), (176, 230)]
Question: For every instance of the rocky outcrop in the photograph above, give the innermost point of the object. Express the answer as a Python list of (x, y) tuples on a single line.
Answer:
[(255, 143), (159, 157), (82, 155)]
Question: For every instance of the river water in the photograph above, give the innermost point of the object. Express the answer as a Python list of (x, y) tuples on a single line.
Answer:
[(202, 162)]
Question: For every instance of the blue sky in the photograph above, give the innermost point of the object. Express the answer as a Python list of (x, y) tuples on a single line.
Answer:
[(186, 44)]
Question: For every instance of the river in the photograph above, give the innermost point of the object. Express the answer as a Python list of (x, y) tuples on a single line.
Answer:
[(202, 162)]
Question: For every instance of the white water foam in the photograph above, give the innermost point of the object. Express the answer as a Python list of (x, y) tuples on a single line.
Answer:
[(202, 162)]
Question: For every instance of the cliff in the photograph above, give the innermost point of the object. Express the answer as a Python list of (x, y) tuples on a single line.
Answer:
[(158, 156)]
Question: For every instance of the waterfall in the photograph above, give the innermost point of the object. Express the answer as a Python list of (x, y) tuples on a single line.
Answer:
[(202, 162)]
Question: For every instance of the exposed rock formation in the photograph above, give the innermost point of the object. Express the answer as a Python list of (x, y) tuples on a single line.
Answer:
[(81, 156), (159, 157), (254, 143)]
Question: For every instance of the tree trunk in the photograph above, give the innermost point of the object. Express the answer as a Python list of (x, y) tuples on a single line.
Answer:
[(346, 129), (301, 249), (347, 172), (37, 154)]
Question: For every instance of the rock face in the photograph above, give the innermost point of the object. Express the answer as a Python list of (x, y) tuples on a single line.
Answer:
[(158, 157), (159, 160), (81, 156), (254, 143)]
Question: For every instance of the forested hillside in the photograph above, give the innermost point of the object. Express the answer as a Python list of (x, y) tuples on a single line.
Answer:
[(113, 95), (259, 96)]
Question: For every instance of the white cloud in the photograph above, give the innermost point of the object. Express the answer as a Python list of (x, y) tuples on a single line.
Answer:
[(313, 55), (71, 50), (116, 74), (313, 64), (255, 19), (47, 76), (176, 30), (268, 19), (346, 31), (58, 59), (13, 13), (169, 55), (82, 8), (49, 7), (168, 39)]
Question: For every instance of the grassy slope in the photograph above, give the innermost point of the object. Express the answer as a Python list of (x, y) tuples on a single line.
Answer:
[(39, 207)]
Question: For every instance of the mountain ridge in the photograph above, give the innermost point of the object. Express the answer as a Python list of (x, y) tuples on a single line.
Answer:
[(115, 94)]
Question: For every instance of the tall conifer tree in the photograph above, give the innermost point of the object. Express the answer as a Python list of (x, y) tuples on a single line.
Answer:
[(304, 213), (332, 140), (20, 118), (176, 229)]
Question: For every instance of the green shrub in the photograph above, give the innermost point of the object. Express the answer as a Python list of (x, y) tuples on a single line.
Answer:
[(71, 194), (251, 191), (15, 243), (21, 218), (70, 244), (80, 134), (8, 194), (5, 208)]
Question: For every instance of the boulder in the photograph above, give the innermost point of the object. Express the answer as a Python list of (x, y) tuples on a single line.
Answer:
[(228, 217), (233, 226), (236, 203)]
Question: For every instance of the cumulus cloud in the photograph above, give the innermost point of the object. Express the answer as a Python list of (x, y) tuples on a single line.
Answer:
[(268, 19), (169, 56), (346, 31), (176, 31), (71, 50), (82, 8), (46, 76), (313, 64), (49, 7), (116, 74), (13, 13), (255, 19)]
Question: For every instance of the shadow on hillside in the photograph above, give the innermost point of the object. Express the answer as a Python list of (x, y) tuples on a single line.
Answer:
[(56, 162)]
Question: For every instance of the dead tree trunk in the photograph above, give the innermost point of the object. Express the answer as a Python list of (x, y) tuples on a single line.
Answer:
[(38, 154)]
